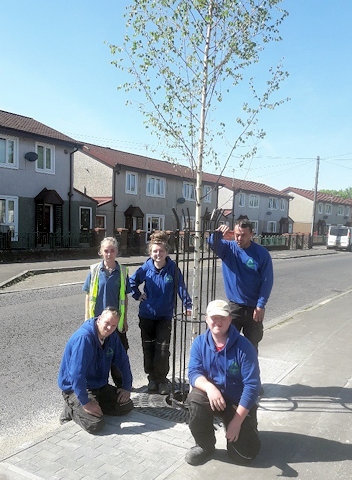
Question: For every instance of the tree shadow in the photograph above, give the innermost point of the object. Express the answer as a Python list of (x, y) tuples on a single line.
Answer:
[(282, 449), (279, 397)]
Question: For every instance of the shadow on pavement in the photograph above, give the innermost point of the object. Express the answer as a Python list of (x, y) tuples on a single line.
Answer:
[(282, 449), (300, 397)]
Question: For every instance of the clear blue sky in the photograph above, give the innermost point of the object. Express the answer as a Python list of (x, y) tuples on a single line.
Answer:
[(55, 68)]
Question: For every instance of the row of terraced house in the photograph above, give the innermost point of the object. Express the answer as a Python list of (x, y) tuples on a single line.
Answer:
[(57, 192)]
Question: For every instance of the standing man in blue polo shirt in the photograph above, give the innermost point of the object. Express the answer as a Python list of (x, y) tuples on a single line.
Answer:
[(248, 277)]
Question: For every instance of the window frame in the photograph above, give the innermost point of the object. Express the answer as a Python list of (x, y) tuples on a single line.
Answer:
[(46, 147), (253, 201), (149, 222), (328, 209), (273, 223), (14, 141), (340, 210), (187, 195), (207, 193), (10, 224), (254, 226), (241, 199), (128, 190), (103, 217), (155, 182), (272, 203)]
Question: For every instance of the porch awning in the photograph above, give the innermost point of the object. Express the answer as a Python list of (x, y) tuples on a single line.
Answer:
[(49, 197), (134, 212)]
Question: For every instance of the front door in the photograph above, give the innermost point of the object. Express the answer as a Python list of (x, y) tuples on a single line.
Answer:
[(44, 223), (85, 223)]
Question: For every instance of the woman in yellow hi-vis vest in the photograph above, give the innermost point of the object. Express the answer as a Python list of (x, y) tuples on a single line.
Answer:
[(107, 285)]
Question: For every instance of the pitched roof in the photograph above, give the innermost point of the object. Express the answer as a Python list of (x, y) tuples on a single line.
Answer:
[(248, 186), (114, 158), (14, 123), (102, 200), (85, 195), (321, 196)]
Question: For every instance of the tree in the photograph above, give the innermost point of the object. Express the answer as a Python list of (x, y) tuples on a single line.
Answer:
[(185, 57), (346, 193)]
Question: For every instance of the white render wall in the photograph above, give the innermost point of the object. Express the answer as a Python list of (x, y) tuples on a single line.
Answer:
[(91, 176)]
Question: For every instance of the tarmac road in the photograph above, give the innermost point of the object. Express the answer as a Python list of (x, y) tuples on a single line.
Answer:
[(305, 418)]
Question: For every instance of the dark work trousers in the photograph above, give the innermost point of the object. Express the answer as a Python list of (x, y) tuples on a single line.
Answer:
[(156, 335), (115, 371), (124, 340), (107, 399), (242, 319), (201, 421)]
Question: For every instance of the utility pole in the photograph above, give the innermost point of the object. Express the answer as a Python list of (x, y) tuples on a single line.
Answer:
[(315, 198)]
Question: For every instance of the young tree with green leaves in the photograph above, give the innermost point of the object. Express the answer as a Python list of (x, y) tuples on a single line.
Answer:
[(190, 60), (346, 193)]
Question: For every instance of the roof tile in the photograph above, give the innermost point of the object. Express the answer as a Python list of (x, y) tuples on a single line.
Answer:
[(19, 123), (321, 196)]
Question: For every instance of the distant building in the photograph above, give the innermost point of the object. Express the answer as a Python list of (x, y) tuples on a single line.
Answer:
[(329, 210), (266, 208), (135, 192), (38, 204)]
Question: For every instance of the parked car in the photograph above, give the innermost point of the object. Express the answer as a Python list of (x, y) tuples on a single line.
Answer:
[(340, 237)]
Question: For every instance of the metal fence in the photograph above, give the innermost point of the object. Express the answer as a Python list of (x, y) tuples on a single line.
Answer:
[(48, 241), (185, 328)]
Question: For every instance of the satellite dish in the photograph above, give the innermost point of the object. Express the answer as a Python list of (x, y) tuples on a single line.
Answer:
[(181, 200), (31, 156)]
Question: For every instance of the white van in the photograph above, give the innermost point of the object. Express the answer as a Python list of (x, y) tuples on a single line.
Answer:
[(340, 237)]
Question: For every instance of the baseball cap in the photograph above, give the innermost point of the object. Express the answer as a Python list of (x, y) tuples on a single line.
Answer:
[(218, 307)]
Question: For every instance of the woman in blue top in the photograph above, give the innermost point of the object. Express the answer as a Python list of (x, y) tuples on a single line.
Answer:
[(160, 277)]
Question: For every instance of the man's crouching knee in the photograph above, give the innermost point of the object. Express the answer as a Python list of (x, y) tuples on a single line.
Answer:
[(94, 426)]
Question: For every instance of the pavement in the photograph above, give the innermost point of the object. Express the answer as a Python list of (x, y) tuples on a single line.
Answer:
[(304, 416)]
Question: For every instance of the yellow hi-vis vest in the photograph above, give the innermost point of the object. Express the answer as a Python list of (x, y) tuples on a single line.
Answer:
[(93, 292)]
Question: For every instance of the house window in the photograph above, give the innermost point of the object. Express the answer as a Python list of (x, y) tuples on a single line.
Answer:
[(131, 183), (347, 211), (46, 158), (340, 210), (9, 215), (189, 191), (320, 208), (155, 187), (253, 201), (272, 203), (271, 227), (100, 221), (282, 204), (207, 193), (328, 208), (155, 222), (8, 152), (242, 200), (255, 227)]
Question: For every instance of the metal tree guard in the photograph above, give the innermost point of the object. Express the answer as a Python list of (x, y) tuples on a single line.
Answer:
[(186, 328)]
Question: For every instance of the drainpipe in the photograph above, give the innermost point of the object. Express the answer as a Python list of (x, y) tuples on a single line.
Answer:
[(70, 193), (116, 171)]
